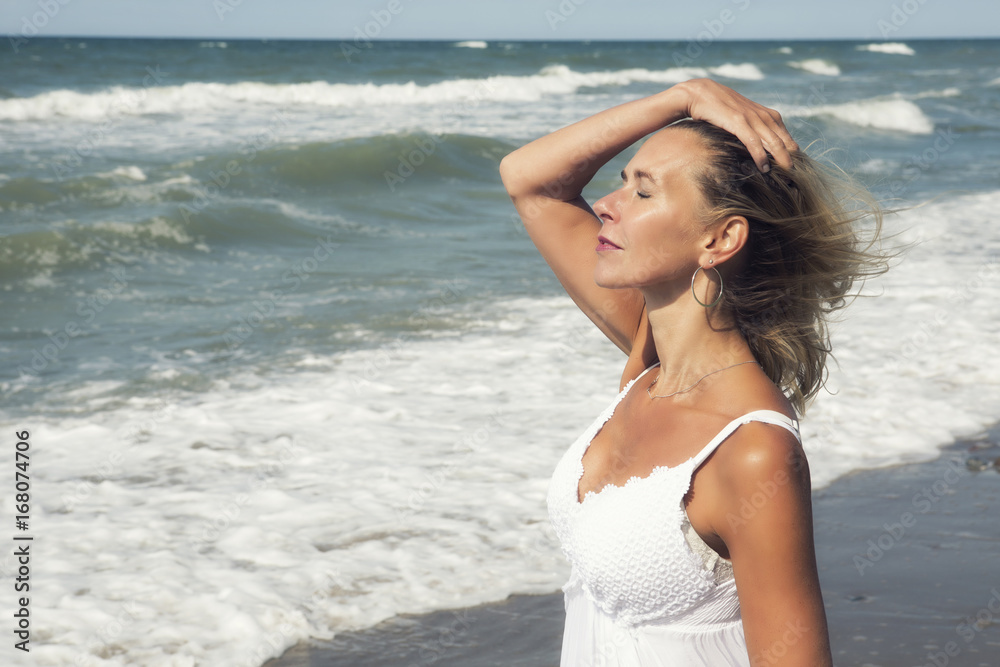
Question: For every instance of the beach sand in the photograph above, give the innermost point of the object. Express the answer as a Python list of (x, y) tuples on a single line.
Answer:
[(909, 560)]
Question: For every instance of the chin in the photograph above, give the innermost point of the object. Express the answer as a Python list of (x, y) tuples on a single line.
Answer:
[(611, 282)]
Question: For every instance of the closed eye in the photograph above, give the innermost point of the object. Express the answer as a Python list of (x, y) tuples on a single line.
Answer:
[(642, 195)]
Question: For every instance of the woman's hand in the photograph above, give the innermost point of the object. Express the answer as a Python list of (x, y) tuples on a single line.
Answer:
[(758, 127)]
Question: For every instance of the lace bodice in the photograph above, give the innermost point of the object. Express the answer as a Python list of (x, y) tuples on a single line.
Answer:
[(627, 544)]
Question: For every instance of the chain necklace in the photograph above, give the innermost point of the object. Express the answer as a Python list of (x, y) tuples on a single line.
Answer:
[(681, 391)]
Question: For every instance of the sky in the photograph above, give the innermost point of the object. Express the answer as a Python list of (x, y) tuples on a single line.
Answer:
[(504, 19)]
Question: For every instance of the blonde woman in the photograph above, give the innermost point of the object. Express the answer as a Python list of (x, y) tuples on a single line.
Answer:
[(685, 508)]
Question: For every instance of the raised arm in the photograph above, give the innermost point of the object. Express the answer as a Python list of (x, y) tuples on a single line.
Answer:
[(546, 177)]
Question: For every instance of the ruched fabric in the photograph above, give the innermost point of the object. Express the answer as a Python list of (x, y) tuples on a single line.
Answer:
[(638, 594)]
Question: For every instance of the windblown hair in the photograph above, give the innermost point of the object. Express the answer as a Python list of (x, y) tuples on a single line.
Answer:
[(814, 232)]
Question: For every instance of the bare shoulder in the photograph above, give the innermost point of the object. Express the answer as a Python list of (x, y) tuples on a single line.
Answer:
[(759, 451), (757, 488)]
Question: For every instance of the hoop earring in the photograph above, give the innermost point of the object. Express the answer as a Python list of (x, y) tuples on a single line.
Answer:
[(721, 285)]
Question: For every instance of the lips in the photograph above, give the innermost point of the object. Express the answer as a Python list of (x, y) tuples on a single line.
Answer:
[(604, 241)]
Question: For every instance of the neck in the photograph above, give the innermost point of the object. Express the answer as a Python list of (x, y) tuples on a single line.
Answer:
[(691, 340)]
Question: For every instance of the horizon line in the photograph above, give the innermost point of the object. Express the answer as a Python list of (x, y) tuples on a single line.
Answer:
[(501, 39)]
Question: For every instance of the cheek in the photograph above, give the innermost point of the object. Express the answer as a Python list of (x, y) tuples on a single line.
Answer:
[(664, 226)]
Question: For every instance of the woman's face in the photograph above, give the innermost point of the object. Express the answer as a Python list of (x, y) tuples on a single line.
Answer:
[(655, 218)]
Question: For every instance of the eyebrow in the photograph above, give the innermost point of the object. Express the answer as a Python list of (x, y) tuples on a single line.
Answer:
[(639, 173)]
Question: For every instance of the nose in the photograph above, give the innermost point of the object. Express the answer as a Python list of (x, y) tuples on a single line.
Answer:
[(606, 207)]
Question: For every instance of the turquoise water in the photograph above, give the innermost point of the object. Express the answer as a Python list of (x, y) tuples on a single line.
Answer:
[(260, 270)]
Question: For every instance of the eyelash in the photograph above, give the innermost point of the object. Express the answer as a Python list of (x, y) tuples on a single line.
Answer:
[(642, 195)]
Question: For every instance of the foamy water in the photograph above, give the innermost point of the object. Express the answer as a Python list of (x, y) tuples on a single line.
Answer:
[(817, 66), (190, 97), (883, 114), (891, 48), (468, 106)]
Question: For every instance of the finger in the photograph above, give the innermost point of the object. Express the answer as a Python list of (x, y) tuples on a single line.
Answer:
[(787, 142), (774, 143), (774, 137), (755, 146), (778, 126)]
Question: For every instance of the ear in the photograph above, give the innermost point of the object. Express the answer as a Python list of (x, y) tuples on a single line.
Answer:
[(724, 239)]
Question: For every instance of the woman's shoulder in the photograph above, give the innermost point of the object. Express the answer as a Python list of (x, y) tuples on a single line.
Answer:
[(758, 449), (759, 477), (765, 438), (764, 452)]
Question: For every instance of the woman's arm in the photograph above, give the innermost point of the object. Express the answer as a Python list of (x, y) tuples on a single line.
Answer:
[(765, 519), (545, 179)]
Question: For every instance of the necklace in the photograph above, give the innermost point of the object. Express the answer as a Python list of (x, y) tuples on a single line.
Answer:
[(681, 391)]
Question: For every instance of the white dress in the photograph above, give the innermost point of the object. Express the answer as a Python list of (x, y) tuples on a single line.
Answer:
[(644, 587)]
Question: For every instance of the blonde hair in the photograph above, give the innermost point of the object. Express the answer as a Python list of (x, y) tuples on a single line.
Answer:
[(806, 248)]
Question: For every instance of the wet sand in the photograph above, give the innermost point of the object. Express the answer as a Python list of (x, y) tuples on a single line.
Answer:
[(909, 560)]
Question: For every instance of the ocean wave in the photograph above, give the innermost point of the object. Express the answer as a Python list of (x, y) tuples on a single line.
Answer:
[(944, 92), (41, 259), (131, 172), (816, 66), (193, 214), (893, 48), (366, 163), (745, 71), (31, 260), (381, 164), (472, 44), (882, 114), (206, 96)]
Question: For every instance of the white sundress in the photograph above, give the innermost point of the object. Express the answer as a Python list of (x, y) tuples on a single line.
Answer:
[(644, 589)]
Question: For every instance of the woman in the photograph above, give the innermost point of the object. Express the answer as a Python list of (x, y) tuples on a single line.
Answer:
[(685, 508)]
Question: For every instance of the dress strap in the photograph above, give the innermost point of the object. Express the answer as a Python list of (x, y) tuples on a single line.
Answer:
[(766, 416), (647, 370), (636, 379)]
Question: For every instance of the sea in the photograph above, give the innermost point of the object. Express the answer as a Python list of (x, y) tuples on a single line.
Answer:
[(287, 364)]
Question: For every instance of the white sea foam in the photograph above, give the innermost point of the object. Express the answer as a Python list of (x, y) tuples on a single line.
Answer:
[(884, 114), (787, 50), (199, 96), (472, 44), (131, 172), (745, 71), (155, 228), (816, 66), (411, 477), (893, 48), (945, 92)]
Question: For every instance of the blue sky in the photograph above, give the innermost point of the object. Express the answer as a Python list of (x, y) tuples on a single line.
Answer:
[(509, 19)]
